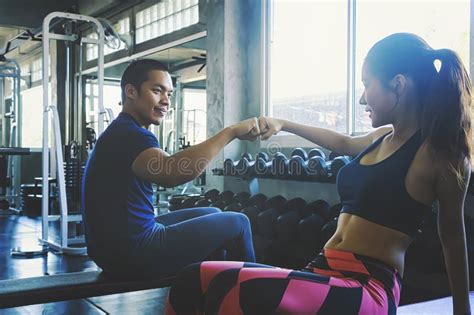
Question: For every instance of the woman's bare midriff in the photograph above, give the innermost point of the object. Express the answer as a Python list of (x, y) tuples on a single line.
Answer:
[(360, 236)]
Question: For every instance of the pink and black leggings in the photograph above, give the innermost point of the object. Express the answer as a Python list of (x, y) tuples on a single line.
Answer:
[(335, 282)]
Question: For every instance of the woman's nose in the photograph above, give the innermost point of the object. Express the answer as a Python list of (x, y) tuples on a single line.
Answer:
[(362, 100)]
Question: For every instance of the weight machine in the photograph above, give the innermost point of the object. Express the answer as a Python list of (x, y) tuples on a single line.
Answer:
[(10, 69), (50, 111)]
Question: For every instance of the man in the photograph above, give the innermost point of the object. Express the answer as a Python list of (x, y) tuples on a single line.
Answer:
[(123, 236)]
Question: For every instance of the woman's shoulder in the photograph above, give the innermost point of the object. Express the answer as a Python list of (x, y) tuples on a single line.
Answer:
[(444, 167), (380, 132)]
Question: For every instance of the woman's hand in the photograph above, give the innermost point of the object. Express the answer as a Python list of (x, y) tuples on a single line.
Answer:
[(269, 127)]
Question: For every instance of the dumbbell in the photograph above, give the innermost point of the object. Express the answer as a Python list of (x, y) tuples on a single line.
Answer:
[(176, 201), (230, 167), (189, 202), (258, 200), (286, 224), (335, 210), (316, 152), (279, 167), (242, 197), (211, 194), (262, 166), (309, 229), (318, 167), (276, 206), (299, 152), (202, 202), (252, 207), (328, 230), (320, 207), (205, 200), (223, 199), (298, 164), (297, 167), (248, 168), (237, 202), (338, 163), (235, 206), (267, 218), (244, 165), (247, 156), (333, 155)]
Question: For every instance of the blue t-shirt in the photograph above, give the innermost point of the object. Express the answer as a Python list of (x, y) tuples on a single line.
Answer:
[(117, 207)]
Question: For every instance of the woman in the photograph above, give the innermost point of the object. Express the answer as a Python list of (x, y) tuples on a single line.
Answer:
[(400, 170)]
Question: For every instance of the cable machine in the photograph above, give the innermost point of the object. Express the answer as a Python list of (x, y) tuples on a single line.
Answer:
[(10, 69), (50, 110)]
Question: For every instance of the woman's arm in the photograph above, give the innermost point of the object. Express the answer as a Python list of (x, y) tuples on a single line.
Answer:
[(332, 140), (452, 233)]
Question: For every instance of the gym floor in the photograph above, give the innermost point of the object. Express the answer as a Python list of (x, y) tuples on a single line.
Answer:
[(23, 231)]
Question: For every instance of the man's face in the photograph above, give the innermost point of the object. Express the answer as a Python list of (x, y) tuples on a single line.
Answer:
[(153, 99)]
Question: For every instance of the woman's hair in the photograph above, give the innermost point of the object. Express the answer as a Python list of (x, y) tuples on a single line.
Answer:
[(444, 96)]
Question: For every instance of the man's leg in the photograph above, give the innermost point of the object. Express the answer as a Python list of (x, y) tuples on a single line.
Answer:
[(184, 214), (193, 240)]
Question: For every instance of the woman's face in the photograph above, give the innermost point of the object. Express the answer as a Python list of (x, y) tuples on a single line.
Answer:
[(378, 99)]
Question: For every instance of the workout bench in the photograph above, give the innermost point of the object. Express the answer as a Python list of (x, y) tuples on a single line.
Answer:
[(69, 286)]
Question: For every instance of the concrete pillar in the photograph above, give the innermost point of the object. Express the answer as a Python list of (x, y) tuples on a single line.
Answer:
[(233, 79)]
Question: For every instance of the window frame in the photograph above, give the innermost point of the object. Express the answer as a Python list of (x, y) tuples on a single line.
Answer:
[(290, 140)]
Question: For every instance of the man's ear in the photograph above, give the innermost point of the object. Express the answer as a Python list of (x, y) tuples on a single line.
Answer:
[(130, 91), (398, 84)]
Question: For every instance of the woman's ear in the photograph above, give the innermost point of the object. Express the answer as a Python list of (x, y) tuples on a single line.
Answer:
[(398, 84)]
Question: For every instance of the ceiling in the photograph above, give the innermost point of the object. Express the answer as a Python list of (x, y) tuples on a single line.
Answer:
[(19, 16)]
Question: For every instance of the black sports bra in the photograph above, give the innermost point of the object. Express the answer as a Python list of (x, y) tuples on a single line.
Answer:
[(377, 192)]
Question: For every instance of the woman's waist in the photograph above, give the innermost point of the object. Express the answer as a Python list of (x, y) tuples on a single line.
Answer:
[(373, 274), (358, 235)]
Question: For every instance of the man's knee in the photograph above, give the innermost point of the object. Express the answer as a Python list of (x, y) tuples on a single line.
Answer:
[(240, 219), (214, 210)]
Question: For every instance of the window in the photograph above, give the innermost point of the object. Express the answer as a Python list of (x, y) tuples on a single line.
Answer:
[(112, 97), (165, 17), (37, 70), (308, 78), (122, 27), (437, 26), (194, 115), (32, 118)]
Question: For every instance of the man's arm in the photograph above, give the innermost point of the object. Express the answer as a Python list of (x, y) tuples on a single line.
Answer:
[(157, 166)]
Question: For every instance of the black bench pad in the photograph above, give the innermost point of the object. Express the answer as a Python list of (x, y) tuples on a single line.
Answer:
[(68, 286)]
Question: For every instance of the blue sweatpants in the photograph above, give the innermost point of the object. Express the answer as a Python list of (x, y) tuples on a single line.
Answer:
[(191, 235)]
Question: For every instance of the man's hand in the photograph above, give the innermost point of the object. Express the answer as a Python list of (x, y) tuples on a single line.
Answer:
[(247, 129), (269, 127)]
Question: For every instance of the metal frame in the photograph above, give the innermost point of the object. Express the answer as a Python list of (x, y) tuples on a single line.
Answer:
[(64, 218), (11, 69)]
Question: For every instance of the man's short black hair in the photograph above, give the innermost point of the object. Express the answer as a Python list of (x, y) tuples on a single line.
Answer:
[(137, 73)]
